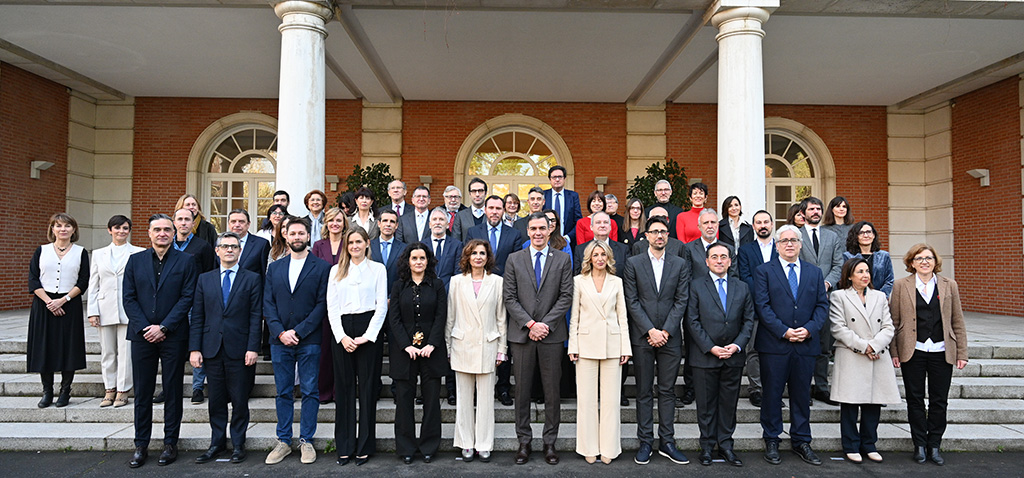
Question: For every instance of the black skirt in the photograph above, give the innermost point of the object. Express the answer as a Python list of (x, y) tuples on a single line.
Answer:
[(55, 343)]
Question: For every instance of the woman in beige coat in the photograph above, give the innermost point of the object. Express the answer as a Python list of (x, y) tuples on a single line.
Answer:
[(475, 335), (599, 344), (863, 377)]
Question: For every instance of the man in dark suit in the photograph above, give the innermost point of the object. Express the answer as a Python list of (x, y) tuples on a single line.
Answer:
[(601, 223), (750, 256), (696, 250), (295, 306), (537, 293), (473, 215), (789, 296), (448, 251), (452, 204), (186, 241), (656, 289), (396, 191), (225, 339), (504, 240), (415, 226), (255, 249), (565, 202), (673, 246), (387, 242), (534, 203), (719, 320), (662, 196), (824, 249), (158, 287)]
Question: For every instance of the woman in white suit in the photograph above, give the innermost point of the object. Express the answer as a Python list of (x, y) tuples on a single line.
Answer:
[(106, 311), (476, 338), (599, 344), (863, 378)]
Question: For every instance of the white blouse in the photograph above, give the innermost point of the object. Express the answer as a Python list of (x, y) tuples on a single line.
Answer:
[(59, 275), (364, 289)]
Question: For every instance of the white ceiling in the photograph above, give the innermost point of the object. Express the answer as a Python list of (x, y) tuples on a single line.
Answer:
[(525, 54)]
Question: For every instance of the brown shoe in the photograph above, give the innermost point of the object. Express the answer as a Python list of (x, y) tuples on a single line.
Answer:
[(550, 457), (523, 455), (108, 398), (121, 399)]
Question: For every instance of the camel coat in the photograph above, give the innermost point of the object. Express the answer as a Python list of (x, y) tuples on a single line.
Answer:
[(903, 303), (475, 332), (856, 378), (597, 327)]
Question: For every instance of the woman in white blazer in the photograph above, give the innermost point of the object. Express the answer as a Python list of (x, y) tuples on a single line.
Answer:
[(863, 378), (475, 335), (599, 344), (106, 311)]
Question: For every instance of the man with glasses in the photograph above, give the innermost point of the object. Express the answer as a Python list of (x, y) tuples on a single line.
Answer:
[(824, 249), (656, 290), (662, 196), (415, 226), (396, 191), (452, 204), (473, 215), (565, 202), (751, 256)]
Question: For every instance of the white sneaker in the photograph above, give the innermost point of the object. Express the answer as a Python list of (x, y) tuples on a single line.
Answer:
[(308, 452), (278, 453)]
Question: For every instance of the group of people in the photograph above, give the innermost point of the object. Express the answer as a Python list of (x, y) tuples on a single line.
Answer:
[(477, 294)]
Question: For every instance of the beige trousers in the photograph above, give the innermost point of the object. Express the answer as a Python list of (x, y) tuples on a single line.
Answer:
[(474, 429), (598, 429), (115, 357)]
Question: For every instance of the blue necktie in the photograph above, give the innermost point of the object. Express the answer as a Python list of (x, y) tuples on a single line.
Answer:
[(792, 279), (494, 239), (225, 287), (384, 251), (537, 268), (558, 209), (721, 292), (437, 250)]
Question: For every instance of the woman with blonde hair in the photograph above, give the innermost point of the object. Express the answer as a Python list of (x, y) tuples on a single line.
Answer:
[(328, 249), (200, 226)]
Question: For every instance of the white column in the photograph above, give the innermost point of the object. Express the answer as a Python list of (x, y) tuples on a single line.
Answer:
[(741, 105), (301, 117)]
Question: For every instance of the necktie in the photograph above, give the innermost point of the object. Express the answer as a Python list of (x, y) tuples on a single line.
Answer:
[(494, 239), (384, 251), (537, 268), (451, 220), (437, 250), (814, 239), (225, 286), (398, 210), (721, 292), (558, 209), (792, 279)]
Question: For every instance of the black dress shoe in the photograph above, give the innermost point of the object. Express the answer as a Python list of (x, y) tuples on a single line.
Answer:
[(689, 396), (550, 456), (210, 454), (804, 451), (679, 403), (624, 402), (362, 461), (407, 459), (64, 398), (428, 458), (755, 399), (919, 454), (139, 457), (168, 456), (451, 399), (505, 399), (771, 452), (238, 455), (47, 399), (523, 455), (419, 400), (705, 457), (730, 457), (935, 457), (159, 398), (197, 396), (343, 460), (539, 400), (823, 396)]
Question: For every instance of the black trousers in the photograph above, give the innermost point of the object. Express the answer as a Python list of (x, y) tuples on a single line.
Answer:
[(717, 392), (354, 371), (860, 440), (146, 357), (927, 426), (228, 381), (406, 442), (821, 363), (663, 363), (503, 382), (530, 358)]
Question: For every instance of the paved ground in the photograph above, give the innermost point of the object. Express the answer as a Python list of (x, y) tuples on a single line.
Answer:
[(106, 464)]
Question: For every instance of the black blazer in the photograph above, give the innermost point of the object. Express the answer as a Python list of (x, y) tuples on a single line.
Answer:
[(402, 318), (303, 310), (235, 328), (650, 307), (725, 234), (626, 237), (749, 259), (392, 266), (620, 252), (695, 253), (672, 246), (709, 325), (448, 261), (509, 242), (168, 303), (254, 256), (206, 260)]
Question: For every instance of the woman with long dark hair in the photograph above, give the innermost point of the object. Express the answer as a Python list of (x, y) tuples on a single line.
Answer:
[(634, 223), (838, 217), (862, 243), (733, 231)]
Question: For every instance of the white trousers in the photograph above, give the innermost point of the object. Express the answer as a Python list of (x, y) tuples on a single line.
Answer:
[(598, 428), (115, 357), (474, 429)]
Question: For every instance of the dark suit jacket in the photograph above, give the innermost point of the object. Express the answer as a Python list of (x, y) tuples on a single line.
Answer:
[(650, 307), (749, 259), (626, 237), (407, 208), (695, 253), (203, 253), (392, 265), (725, 234), (464, 221), (236, 328), (571, 210), (302, 310), (524, 301), (778, 311), (407, 228), (708, 325), (448, 261), (673, 246), (254, 256), (508, 242), (167, 304), (402, 319), (620, 252), (673, 211)]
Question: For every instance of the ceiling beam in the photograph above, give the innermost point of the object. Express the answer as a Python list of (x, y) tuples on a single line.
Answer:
[(702, 68), (686, 34), (362, 43), (335, 68), (942, 92), (62, 72)]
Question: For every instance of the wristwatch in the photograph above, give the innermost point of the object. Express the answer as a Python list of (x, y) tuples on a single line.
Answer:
[(163, 330)]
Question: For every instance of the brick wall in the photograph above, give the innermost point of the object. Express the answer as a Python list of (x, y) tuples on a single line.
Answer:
[(987, 221), (33, 127), (855, 136)]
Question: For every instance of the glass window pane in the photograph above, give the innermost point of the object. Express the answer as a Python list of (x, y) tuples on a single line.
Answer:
[(505, 140), (245, 139), (219, 222), (544, 164), (784, 193), (524, 193), (253, 165), (775, 168), (802, 192), (778, 144), (219, 164), (228, 149), (500, 189), (239, 189), (513, 166), (218, 207), (240, 203), (480, 164), (218, 189), (802, 168), (264, 139)]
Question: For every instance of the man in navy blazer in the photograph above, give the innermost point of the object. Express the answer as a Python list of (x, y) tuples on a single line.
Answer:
[(158, 287), (750, 256), (255, 249), (225, 339), (789, 295), (388, 223), (563, 201), (508, 238), (295, 306), (447, 249)]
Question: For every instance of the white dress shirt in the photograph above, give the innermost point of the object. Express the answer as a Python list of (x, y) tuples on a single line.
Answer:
[(766, 250), (658, 265), (421, 223), (364, 289)]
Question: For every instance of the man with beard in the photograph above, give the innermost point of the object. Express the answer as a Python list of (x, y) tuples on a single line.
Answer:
[(473, 215), (662, 194), (750, 257), (824, 249), (295, 304), (504, 240)]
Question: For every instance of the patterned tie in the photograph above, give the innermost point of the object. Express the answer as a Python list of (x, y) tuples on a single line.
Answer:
[(537, 268), (792, 279), (437, 250), (494, 239), (384, 251), (225, 286), (398, 210), (721, 293), (558, 209)]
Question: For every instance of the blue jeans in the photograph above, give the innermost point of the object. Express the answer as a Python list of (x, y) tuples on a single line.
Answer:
[(284, 359), (198, 377)]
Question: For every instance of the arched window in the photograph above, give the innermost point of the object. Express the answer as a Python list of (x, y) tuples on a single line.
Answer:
[(796, 165), (241, 173)]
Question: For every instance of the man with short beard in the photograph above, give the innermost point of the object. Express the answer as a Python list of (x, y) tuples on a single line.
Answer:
[(473, 215), (750, 257)]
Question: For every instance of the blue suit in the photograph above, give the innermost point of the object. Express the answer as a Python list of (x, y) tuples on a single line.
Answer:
[(785, 363), (393, 253), (448, 260), (749, 258), (570, 211), (508, 242), (165, 303)]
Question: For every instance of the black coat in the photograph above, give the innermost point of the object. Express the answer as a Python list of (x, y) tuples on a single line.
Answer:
[(402, 320)]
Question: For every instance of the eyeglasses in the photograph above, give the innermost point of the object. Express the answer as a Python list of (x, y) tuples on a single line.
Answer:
[(452, 196), (662, 190), (789, 241), (477, 190), (921, 260), (230, 247), (277, 213), (866, 233), (635, 208), (658, 233), (557, 176)]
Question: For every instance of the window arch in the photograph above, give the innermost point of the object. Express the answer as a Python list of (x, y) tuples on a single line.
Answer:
[(797, 165)]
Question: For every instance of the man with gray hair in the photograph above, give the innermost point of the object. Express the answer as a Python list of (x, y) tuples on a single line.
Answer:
[(611, 206), (662, 195), (452, 203), (396, 191)]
